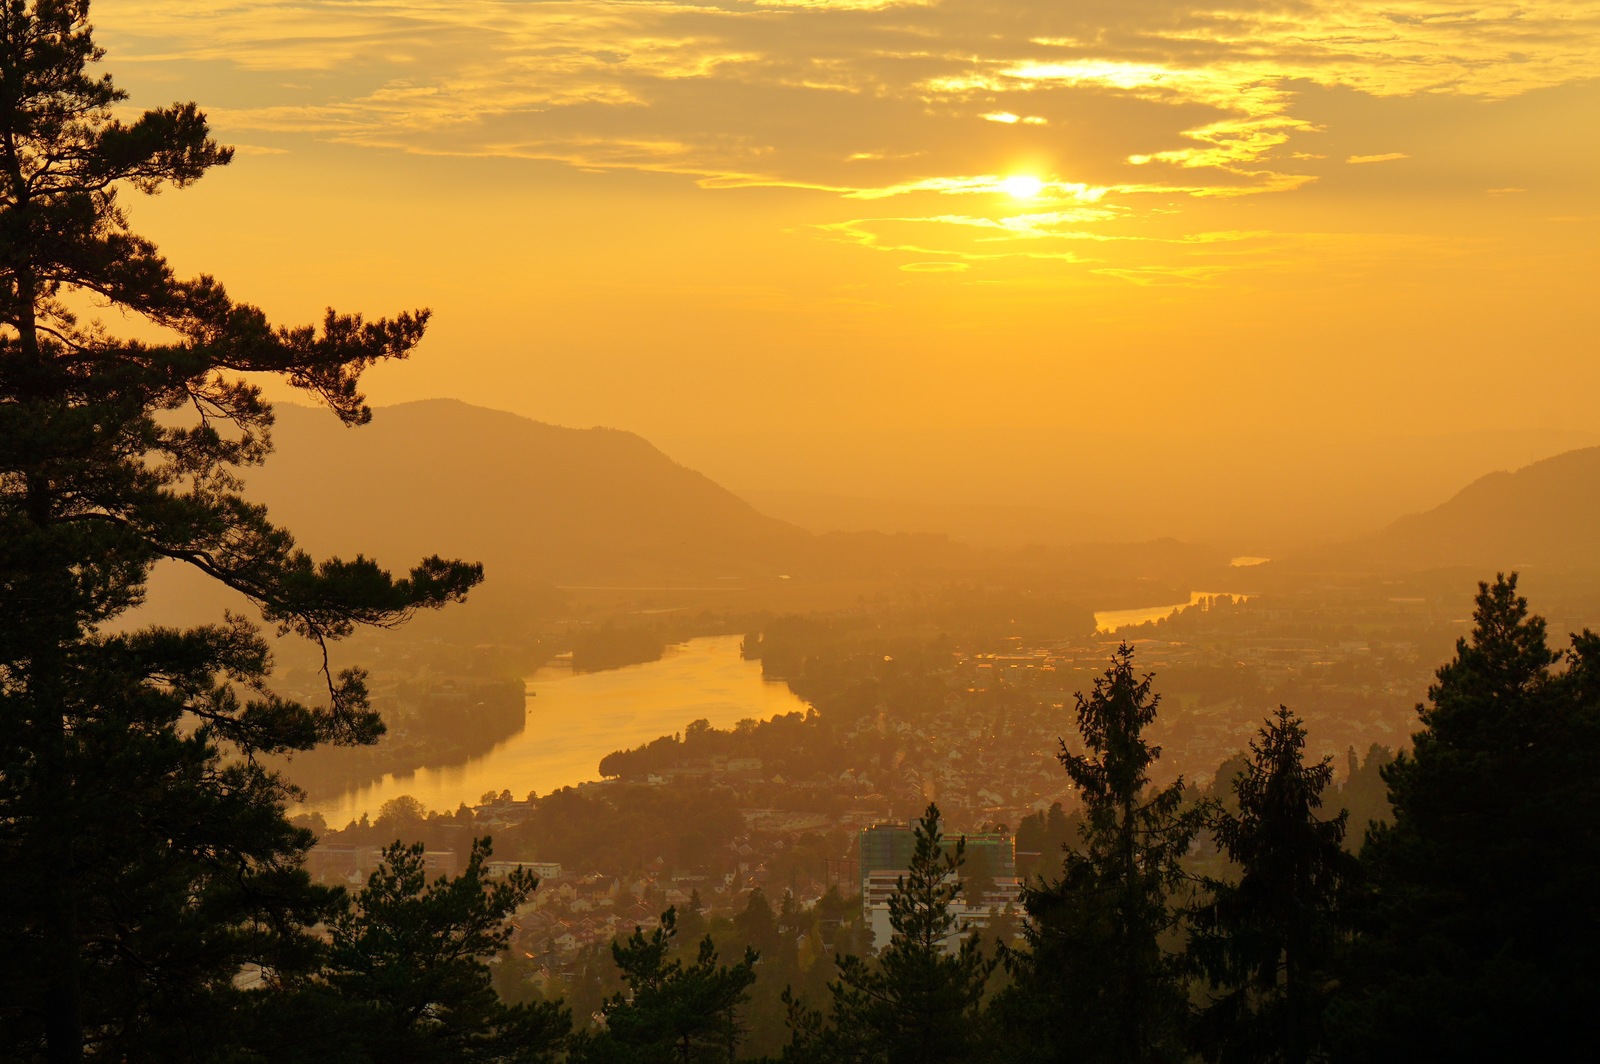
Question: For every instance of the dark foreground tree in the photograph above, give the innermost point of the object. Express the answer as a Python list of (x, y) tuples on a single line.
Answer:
[(1095, 982), (406, 976), (919, 1001), (144, 856), (1263, 941), (669, 1012), (1480, 933)]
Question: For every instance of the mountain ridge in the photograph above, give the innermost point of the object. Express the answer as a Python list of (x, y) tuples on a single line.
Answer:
[(545, 502), (1545, 514)]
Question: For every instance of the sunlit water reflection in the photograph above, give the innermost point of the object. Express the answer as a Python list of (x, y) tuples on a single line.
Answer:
[(575, 719), (1111, 620)]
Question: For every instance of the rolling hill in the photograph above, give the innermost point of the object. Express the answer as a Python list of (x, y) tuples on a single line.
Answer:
[(1545, 515), (531, 501)]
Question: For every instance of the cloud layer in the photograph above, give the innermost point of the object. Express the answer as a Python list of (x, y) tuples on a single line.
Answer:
[(1125, 116)]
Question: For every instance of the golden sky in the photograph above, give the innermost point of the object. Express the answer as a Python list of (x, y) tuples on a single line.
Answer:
[(1004, 250)]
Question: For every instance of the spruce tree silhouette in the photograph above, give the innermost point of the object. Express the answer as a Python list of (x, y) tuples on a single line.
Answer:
[(1094, 982), (1264, 941), (919, 1000), (671, 1011), (1478, 932), (406, 976)]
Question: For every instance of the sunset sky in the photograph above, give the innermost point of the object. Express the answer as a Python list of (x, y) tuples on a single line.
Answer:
[(1249, 257)]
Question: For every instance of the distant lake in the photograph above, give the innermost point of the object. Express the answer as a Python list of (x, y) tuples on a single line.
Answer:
[(1111, 620), (575, 719)]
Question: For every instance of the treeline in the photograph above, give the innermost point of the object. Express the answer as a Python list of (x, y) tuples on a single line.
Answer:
[(613, 646), (790, 646), (617, 642), (827, 662), (790, 744), (1042, 836), (626, 830), (429, 724), (794, 947)]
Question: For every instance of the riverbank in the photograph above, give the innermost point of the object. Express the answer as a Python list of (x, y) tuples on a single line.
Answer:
[(574, 719)]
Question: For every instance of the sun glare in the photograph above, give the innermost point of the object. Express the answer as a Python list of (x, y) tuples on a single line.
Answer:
[(1022, 187)]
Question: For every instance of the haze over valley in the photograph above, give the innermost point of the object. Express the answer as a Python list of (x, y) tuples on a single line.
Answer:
[(603, 552)]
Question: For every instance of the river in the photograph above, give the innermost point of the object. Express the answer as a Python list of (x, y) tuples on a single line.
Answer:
[(575, 719), (1111, 620)]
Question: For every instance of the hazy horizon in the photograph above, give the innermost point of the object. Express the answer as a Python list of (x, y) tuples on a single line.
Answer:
[(1244, 500)]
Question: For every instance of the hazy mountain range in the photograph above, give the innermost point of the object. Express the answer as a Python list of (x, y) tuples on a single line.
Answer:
[(573, 506), (543, 505), (539, 501)]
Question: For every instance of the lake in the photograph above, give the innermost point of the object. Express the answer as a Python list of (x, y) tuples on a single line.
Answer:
[(575, 719)]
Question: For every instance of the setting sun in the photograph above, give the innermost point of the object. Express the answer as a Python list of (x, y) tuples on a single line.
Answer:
[(1022, 186)]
